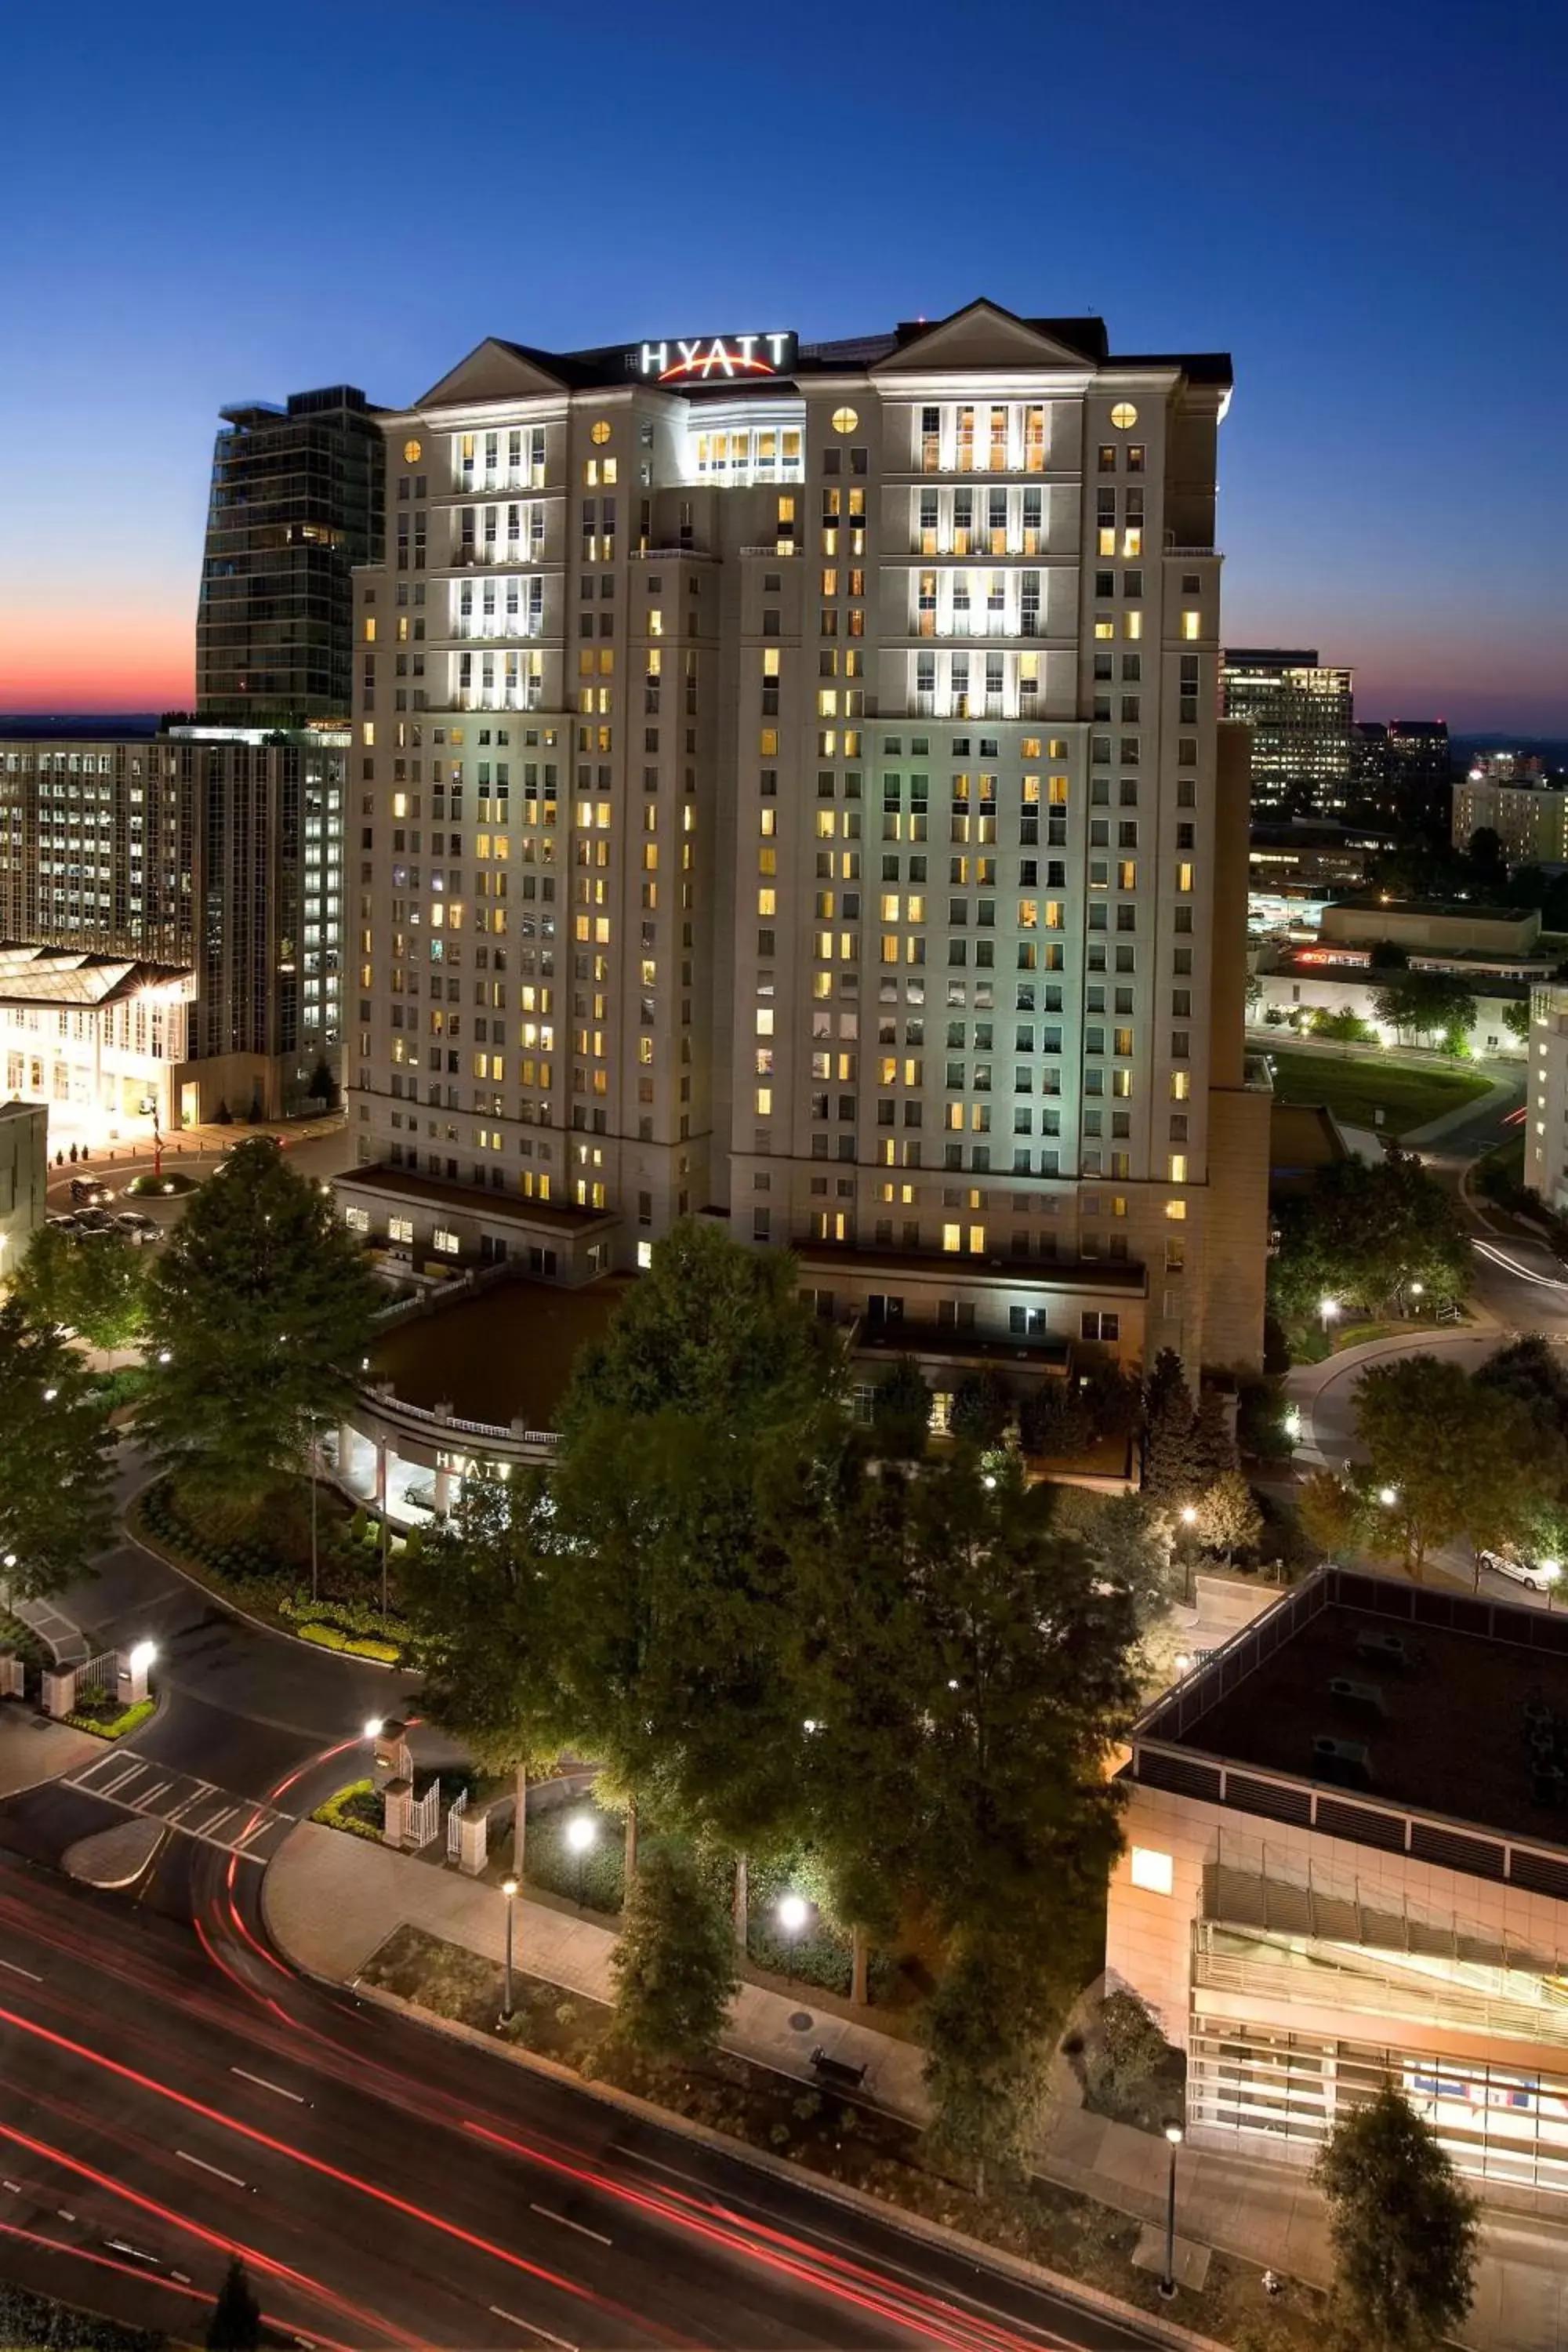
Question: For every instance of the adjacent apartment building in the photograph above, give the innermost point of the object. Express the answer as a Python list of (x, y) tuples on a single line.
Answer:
[(171, 924), (788, 786), (1302, 713), (1531, 820)]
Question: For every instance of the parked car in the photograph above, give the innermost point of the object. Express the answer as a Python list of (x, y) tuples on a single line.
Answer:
[(93, 1220), (1535, 1575), (138, 1228), (89, 1192)]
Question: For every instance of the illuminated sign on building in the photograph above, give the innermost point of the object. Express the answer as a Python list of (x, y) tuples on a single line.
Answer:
[(708, 358)]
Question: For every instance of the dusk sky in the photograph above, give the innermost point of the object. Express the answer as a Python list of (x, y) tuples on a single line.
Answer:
[(1363, 203)]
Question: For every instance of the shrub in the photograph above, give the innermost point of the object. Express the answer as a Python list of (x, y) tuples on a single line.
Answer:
[(1134, 2046)]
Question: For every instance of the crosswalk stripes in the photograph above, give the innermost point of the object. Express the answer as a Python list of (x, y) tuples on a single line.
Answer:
[(197, 1808)]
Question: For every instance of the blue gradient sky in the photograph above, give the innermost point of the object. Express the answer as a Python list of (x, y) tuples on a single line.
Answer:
[(1362, 203)]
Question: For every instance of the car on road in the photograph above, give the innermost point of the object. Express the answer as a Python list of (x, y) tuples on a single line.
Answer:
[(138, 1228), (89, 1193), (93, 1220), (1535, 1575)]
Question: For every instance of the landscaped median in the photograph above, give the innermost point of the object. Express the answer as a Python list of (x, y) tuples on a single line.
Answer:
[(355, 1809), (110, 1720), (257, 1569)]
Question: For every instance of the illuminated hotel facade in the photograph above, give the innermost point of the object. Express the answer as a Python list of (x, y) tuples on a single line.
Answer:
[(787, 785)]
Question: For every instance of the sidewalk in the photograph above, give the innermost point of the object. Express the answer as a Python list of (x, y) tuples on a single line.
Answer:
[(331, 1901)]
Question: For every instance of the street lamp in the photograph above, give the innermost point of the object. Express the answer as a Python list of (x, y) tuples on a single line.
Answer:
[(1189, 1513), (1551, 1571), (141, 1657), (794, 1912), (509, 1888), (373, 1727), (1173, 2134), (1328, 1308), (580, 1833), (1388, 1497)]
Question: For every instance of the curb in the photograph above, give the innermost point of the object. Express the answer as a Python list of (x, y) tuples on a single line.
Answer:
[(834, 2192), (199, 1584)]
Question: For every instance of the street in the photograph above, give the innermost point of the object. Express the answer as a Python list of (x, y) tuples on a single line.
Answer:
[(174, 2091)]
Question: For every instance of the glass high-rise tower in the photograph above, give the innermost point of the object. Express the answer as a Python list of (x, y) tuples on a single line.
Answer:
[(295, 503)]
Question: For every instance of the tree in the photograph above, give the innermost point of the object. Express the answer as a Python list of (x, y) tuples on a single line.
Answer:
[(263, 1307), (236, 2322), (1388, 955), (1345, 1025), (1333, 1513), (1175, 1465), (675, 1964), (323, 1087), (481, 1598), (1228, 1519), (1403, 2230), (96, 1288), (1457, 1459), (1364, 1234), (1053, 1419), (1516, 1021), (979, 1410), (55, 1449), (1425, 1003), (901, 1411), (988, 2042), (1127, 1547)]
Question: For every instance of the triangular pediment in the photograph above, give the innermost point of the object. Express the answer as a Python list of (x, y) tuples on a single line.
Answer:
[(980, 336), (492, 371)]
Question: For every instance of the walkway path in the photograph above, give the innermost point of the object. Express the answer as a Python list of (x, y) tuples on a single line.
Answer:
[(331, 1900)]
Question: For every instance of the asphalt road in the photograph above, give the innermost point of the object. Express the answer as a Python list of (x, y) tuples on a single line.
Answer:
[(172, 2092)]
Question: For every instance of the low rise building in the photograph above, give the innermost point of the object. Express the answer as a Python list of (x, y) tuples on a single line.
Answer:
[(1300, 986), (1427, 928), (1347, 1864)]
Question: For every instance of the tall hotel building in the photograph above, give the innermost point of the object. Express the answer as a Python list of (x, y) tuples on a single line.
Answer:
[(787, 787)]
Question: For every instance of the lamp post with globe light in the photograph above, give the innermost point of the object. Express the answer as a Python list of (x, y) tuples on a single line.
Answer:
[(581, 1831), (794, 1912), (509, 1888), (1174, 2135), (1328, 1308)]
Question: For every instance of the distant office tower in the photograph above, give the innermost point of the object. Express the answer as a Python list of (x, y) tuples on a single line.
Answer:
[(1420, 768), (295, 503), (1301, 713), (1530, 820), (787, 778), (172, 909), (1370, 775)]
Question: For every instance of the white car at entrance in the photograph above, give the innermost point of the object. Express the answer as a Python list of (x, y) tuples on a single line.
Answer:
[(1535, 1575)]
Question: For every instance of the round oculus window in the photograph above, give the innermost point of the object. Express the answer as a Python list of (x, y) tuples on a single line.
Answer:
[(600, 433), (844, 420), (412, 452), (1124, 416)]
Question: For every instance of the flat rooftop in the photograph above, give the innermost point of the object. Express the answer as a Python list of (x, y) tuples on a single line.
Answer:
[(1453, 1737), (499, 1355)]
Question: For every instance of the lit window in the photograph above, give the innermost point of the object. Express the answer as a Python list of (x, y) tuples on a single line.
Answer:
[(599, 432), (412, 452), (1181, 1088), (1191, 625), (844, 420), (1124, 416), (369, 628), (644, 1256), (446, 1240), (1178, 1168), (1151, 1870), (400, 1229)]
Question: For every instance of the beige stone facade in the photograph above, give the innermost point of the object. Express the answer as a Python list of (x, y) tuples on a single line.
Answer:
[(786, 787)]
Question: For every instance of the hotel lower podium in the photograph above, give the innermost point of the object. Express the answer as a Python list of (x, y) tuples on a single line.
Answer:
[(1347, 1864)]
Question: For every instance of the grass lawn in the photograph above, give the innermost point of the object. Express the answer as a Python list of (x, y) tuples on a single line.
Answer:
[(1407, 1095)]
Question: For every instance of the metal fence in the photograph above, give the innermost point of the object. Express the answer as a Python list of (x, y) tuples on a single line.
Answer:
[(424, 1816), (454, 1828)]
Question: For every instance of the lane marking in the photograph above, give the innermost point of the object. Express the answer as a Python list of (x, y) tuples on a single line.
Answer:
[(218, 2173), (137, 2253), (262, 2083), (31, 1974), (532, 2328), (581, 2228), (202, 1791), (150, 1795)]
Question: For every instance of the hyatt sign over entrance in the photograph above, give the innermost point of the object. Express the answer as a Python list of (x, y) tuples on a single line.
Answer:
[(715, 356)]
